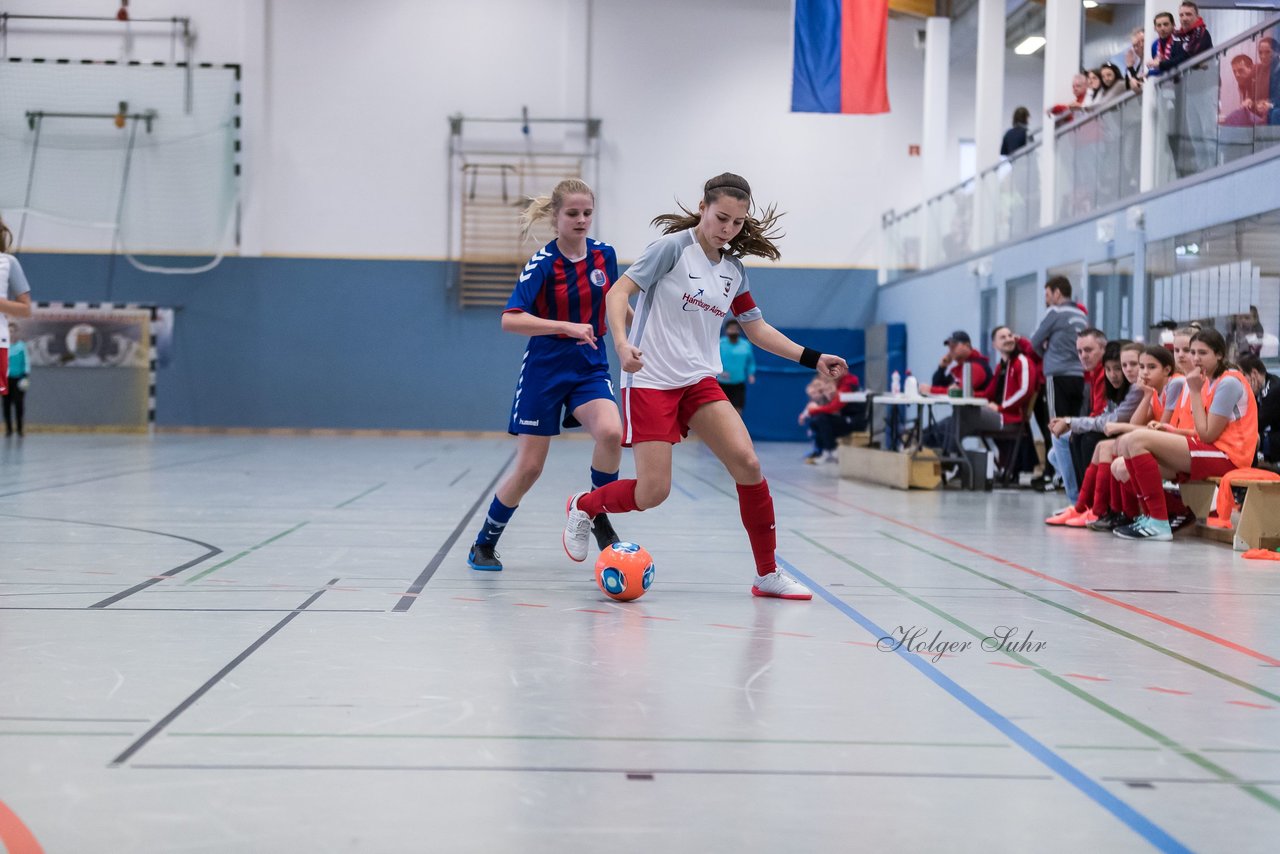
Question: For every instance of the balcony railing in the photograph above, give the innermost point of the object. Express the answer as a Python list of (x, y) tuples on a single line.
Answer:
[(1215, 108)]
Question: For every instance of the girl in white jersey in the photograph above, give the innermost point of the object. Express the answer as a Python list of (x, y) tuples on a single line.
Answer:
[(15, 300), (687, 283)]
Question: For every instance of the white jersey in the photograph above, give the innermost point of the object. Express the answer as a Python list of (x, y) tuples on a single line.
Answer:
[(684, 301), (13, 284)]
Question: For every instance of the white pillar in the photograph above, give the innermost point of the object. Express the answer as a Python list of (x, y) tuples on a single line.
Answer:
[(1147, 154), (1062, 22), (933, 142), (988, 120), (988, 123), (255, 150)]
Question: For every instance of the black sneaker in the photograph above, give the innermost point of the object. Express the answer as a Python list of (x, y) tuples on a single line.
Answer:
[(1182, 520), (605, 535), (1109, 522), (484, 558)]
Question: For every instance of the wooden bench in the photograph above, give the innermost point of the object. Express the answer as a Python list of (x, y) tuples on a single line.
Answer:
[(1259, 525)]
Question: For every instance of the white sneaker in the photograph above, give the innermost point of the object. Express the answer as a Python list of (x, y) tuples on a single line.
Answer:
[(775, 585), (577, 530), (830, 457)]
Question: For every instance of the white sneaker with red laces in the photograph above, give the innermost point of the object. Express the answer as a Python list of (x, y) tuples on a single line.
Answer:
[(577, 530), (775, 585)]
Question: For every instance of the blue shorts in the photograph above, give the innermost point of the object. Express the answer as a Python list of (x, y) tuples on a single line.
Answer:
[(542, 396)]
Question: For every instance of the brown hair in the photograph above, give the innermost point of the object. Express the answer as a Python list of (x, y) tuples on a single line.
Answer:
[(1213, 339), (6, 237), (1133, 346), (1161, 355), (546, 207), (758, 232), (1168, 15), (1059, 284)]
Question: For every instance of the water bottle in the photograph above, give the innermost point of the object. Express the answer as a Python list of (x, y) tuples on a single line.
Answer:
[(966, 379), (895, 383), (911, 387)]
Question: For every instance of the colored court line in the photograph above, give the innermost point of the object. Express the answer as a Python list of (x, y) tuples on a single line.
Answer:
[(120, 474), (1091, 789), (247, 551), (823, 742), (686, 492), (409, 596), (60, 732), (1151, 645), (361, 495), (1116, 714), (14, 834), (1168, 621), (460, 477), (216, 678)]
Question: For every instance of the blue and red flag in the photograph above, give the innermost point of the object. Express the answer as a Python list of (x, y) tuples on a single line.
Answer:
[(839, 62)]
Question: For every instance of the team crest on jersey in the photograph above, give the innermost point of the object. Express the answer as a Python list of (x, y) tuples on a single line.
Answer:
[(597, 278), (728, 283)]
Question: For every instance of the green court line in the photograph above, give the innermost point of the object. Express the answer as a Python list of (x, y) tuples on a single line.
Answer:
[(51, 732), (247, 551), (1201, 666), (1128, 720), (361, 495)]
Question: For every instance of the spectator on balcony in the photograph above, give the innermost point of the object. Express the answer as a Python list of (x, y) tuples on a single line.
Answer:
[(1266, 81), (1244, 71), (1135, 69), (1016, 137), (1063, 113), (1111, 85), (1094, 91), (1194, 35), (1166, 51)]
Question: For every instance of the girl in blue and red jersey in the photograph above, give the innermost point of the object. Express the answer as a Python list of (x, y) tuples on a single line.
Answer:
[(559, 302)]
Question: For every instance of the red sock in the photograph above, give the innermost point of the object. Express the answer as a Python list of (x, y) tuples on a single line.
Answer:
[(1147, 482), (616, 497), (1086, 489), (1102, 490), (756, 506), (1129, 497)]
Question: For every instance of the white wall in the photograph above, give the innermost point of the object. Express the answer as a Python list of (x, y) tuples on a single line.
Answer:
[(345, 111)]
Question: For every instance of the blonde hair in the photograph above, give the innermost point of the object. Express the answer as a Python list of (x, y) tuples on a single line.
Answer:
[(6, 237), (547, 207), (758, 232)]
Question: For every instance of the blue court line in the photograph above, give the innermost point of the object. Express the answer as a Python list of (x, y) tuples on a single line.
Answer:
[(685, 491), (1091, 789)]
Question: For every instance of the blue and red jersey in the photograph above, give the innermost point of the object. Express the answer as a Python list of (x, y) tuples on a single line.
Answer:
[(554, 288)]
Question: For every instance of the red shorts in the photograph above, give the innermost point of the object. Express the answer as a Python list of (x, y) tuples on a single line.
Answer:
[(662, 414), (4, 370), (1207, 460)]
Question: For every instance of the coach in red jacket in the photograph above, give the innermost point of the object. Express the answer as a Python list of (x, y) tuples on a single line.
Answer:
[(1017, 379)]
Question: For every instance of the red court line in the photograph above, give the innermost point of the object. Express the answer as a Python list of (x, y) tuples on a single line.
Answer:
[(793, 634), (1168, 621), (14, 834), (1249, 705), (528, 605), (1168, 691), (666, 619), (590, 611), (1083, 676), (724, 626), (467, 599)]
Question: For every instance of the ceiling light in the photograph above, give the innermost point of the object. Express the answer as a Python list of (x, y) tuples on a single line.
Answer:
[(1090, 4), (1029, 45)]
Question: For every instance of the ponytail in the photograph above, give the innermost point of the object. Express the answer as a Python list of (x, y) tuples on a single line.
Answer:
[(546, 207), (758, 232)]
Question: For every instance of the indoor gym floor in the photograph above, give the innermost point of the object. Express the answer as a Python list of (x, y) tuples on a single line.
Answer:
[(274, 644)]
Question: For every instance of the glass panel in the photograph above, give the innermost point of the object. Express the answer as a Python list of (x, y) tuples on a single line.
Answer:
[(1023, 301)]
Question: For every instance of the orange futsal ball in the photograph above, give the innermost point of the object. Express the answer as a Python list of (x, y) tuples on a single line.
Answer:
[(624, 571)]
